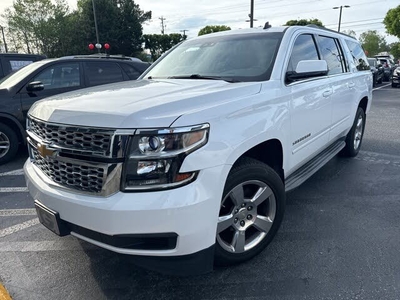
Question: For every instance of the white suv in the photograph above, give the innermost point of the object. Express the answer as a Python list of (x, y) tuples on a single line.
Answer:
[(192, 161)]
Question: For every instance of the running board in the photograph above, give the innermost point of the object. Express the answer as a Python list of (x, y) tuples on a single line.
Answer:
[(309, 169)]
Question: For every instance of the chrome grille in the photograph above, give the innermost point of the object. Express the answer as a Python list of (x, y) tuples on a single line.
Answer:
[(76, 176), (97, 141)]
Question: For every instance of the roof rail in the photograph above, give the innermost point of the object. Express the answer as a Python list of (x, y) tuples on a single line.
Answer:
[(330, 30)]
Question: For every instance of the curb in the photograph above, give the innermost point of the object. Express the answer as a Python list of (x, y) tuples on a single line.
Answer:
[(4, 295)]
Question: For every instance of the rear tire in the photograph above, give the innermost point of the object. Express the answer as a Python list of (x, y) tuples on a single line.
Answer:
[(355, 135), (252, 208), (8, 143)]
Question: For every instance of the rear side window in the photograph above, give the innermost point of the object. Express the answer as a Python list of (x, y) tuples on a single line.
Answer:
[(304, 49), (102, 73), (332, 54), (359, 58), (130, 71)]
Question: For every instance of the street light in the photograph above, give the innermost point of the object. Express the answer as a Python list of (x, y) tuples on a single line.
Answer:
[(95, 26), (340, 13)]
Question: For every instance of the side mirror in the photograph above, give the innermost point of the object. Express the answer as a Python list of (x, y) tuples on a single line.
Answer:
[(307, 69), (35, 86)]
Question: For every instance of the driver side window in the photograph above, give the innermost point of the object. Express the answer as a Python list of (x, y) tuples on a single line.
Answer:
[(59, 76)]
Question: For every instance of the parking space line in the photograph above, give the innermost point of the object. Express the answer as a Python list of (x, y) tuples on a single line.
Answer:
[(58, 244), (17, 212), (13, 173), (18, 227), (4, 295), (13, 189), (381, 87)]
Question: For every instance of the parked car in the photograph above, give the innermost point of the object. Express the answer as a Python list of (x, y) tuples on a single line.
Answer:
[(11, 62), (189, 165), (388, 67), (49, 77), (377, 70), (396, 77)]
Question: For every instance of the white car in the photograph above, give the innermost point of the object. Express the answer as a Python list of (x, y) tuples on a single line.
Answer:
[(189, 165)]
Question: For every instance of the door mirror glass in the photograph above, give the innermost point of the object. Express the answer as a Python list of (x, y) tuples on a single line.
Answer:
[(35, 86)]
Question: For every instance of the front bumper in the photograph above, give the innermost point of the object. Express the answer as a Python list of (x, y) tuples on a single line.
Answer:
[(191, 212)]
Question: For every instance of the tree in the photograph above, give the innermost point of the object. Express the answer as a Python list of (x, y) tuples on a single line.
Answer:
[(47, 26), (395, 49), (304, 22), (213, 28), (160, 43), (350, 33), (34, 24), (373, 43), (392, 21)]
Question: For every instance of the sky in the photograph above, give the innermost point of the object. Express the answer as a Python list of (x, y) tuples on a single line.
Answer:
[(192, 15)]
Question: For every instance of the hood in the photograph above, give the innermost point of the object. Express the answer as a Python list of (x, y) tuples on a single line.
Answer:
[(139, 104)]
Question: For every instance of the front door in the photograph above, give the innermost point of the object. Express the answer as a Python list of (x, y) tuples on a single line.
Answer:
[(58, 78), (310, 106)]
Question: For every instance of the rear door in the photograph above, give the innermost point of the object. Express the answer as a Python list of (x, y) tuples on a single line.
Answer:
[(57, 78), (342, 83)]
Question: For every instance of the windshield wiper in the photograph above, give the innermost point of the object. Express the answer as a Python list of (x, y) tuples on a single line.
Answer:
[(198, 76)]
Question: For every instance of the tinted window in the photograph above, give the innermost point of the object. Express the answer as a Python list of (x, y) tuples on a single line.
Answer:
[(359, 58), (303, 49), (13, 64), (130, 71), (331, 54), (59, 76), (102, 72), (372, 62)]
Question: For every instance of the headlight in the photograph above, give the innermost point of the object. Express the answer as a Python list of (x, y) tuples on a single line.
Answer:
[(156, 156)]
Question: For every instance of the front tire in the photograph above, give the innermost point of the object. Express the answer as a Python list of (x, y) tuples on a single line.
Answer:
[(354, 137), (251, 212), (8, 143)]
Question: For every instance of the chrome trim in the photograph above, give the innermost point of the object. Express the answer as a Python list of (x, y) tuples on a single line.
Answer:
[(172, 129), (117, 146), (160, 186)]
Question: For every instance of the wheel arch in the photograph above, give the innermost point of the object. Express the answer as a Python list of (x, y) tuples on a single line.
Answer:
[(269, 152), (363, 104), (15, 125)]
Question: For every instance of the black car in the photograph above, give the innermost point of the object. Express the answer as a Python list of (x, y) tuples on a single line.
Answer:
[(48, 77), (377, 70), (396, 77), (11, 62)]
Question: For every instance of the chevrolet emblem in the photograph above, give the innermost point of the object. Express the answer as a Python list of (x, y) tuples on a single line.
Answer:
[(44, 151)]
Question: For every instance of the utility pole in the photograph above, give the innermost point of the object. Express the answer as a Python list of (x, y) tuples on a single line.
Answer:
[(95, 26), (251, 15), (184, 33), (162, 24), (4, 39)]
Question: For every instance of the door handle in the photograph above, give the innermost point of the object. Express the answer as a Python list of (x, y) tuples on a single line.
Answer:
[(327, 93), (351, 85)]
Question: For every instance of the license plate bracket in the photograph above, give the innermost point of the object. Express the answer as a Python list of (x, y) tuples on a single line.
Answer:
[(50, 219)]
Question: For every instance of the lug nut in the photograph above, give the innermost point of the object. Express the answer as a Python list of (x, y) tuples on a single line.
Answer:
[(243, 205), (249, 217), (250, 208), (242, 223), (235, 220), (236, 211)]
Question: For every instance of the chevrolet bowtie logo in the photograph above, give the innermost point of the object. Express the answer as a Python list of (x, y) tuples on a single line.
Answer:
[(44, 151)]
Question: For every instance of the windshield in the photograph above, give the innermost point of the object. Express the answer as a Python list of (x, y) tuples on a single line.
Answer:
[(13, 78), (233, 58)]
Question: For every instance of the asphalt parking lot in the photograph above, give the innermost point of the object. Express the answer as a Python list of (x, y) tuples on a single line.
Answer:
[(340, 238)]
